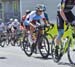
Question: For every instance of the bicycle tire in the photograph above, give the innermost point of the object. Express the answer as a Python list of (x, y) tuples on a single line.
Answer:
[(68, 53), (50, 38), (25, 46), (3, 44), (40, 46)]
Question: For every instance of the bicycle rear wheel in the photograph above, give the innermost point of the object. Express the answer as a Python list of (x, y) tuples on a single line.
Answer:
[(71, 51), (43, 46)]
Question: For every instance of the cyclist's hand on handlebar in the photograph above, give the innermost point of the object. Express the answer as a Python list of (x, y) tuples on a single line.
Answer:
[(52, 25), (67, 23), (48, 25), (35, 26), (38, 24)]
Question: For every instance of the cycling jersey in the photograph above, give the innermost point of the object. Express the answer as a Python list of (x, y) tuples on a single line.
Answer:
[(15, 24), (9, 25), (46, 16), (33, 16), (66, 5)]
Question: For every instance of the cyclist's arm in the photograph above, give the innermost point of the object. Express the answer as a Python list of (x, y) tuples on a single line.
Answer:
[(45, 21), (47, 18), (32, 25), (62, 11), (29, 20), (44, 18)]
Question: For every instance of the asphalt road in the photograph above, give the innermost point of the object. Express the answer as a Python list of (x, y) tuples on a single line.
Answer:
[(14, 57)]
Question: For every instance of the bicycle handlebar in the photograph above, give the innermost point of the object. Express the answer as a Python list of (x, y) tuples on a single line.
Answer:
[(68, 25), (44, 27), (67, 28), (50, 27)]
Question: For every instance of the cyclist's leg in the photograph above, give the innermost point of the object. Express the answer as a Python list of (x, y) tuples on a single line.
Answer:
[(58, 38), (60, 26), (29, 34), (32, 29)]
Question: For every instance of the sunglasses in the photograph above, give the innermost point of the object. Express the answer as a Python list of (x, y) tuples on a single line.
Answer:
[(40, 11)]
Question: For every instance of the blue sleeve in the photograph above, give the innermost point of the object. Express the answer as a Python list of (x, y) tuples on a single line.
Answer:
[(46, 16)]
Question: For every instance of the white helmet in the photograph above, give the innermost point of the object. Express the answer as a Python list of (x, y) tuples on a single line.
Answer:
[(15, 20), (39, 7), (11, 19)]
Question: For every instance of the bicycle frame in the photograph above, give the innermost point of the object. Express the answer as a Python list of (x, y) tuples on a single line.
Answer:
[(39, 32), (65, 48), (69, 41)]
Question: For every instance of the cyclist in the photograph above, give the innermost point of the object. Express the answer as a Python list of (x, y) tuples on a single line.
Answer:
[(23, 18), (64, 14), (26, 13), (15, 29), (9, 25), (15, 25), (32, 18)]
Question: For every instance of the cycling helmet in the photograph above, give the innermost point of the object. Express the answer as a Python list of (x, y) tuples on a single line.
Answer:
[(39, 7), (44, 7), (15, 20), (11, 19)]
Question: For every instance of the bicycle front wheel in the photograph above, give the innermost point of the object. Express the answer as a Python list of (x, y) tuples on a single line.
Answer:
[(3, 44), (43, 46), (71, 51), (27, 47)]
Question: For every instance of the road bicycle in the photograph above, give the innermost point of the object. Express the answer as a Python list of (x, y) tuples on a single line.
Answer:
[(67, 46), (41, 42)]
